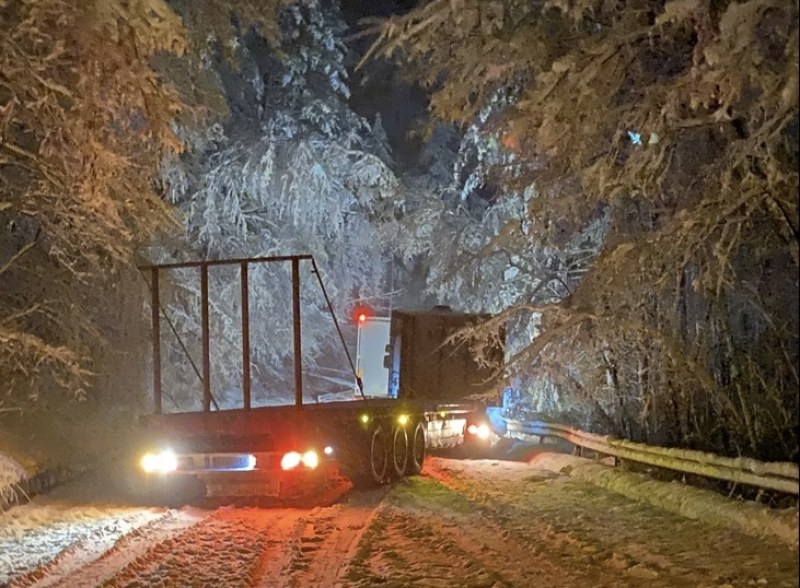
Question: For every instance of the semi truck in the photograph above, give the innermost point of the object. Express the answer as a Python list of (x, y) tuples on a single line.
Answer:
[(431, 397)]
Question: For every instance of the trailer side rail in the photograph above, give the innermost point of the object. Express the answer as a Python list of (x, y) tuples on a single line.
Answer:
[(203, 265)]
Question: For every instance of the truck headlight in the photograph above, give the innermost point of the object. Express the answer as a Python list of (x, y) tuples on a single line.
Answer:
[(163, 462)]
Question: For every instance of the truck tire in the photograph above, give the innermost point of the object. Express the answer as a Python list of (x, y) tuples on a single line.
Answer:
[(417, 451), (378, 455), (399, 454)]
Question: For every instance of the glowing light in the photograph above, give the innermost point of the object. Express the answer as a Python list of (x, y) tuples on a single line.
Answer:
[(364, 418), (291, 460), (403, 419), (480, 431), (250, 462), (636, 138), (310, 459), (362, 317), (163, 462), (328, 450)]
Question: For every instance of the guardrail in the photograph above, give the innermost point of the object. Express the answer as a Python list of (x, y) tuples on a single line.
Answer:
[(781, 476)]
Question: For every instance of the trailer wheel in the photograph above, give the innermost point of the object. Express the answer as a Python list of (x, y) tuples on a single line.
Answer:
[(378, 455), (399, 452), (416, 455)]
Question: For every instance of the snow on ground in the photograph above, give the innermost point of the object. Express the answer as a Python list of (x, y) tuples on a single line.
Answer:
[(472, 523), (61, 542), (38, 532), (694, 503), (495, 523)]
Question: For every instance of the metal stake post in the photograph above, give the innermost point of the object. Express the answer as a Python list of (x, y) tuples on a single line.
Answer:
[(298, 352), (245, 338), (205, 337), (154, 309)]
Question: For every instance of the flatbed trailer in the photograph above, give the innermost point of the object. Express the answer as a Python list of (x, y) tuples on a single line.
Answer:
[(293, 450)]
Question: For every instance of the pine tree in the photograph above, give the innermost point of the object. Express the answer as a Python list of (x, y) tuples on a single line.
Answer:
[(85, 121), (662, 142), (291, 170)]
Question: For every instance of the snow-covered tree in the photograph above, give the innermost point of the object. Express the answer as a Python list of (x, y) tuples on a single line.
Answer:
[(85, 121), (291, 170), (669, 130), (463, 203)]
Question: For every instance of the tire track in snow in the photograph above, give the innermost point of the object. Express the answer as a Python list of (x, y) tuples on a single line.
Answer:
[(275, 560), (329, 538), (225, 547), (40, 575), (91, 572), (468, 548), (562, 557), (78, 555), (259, 547), (607, 540), (57, 539), (230, 548), (402, 548)]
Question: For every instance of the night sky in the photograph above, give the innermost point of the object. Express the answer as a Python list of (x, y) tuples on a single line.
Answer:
[(379, 87)]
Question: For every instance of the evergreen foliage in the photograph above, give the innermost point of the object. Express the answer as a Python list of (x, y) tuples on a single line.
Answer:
[(291, 170), (82, 116), (658, 144), (620, 191)]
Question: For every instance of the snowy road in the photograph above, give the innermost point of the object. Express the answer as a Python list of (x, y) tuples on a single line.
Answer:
[(464, 523)]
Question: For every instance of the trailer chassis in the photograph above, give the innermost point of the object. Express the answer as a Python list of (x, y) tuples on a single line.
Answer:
[(244, 451)]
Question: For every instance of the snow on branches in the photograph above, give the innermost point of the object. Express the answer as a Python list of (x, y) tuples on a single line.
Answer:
[(293, 171), (81, 116), (674, 127)]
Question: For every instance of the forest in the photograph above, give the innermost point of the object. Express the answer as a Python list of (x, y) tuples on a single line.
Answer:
[(616, 183)]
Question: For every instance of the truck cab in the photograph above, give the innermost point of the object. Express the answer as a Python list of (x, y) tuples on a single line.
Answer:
[(414, 356)]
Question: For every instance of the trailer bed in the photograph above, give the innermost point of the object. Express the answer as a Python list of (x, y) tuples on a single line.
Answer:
[(298, 447)]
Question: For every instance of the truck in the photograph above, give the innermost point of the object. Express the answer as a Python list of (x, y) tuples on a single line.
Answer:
[(430, 398), (410, 355)]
